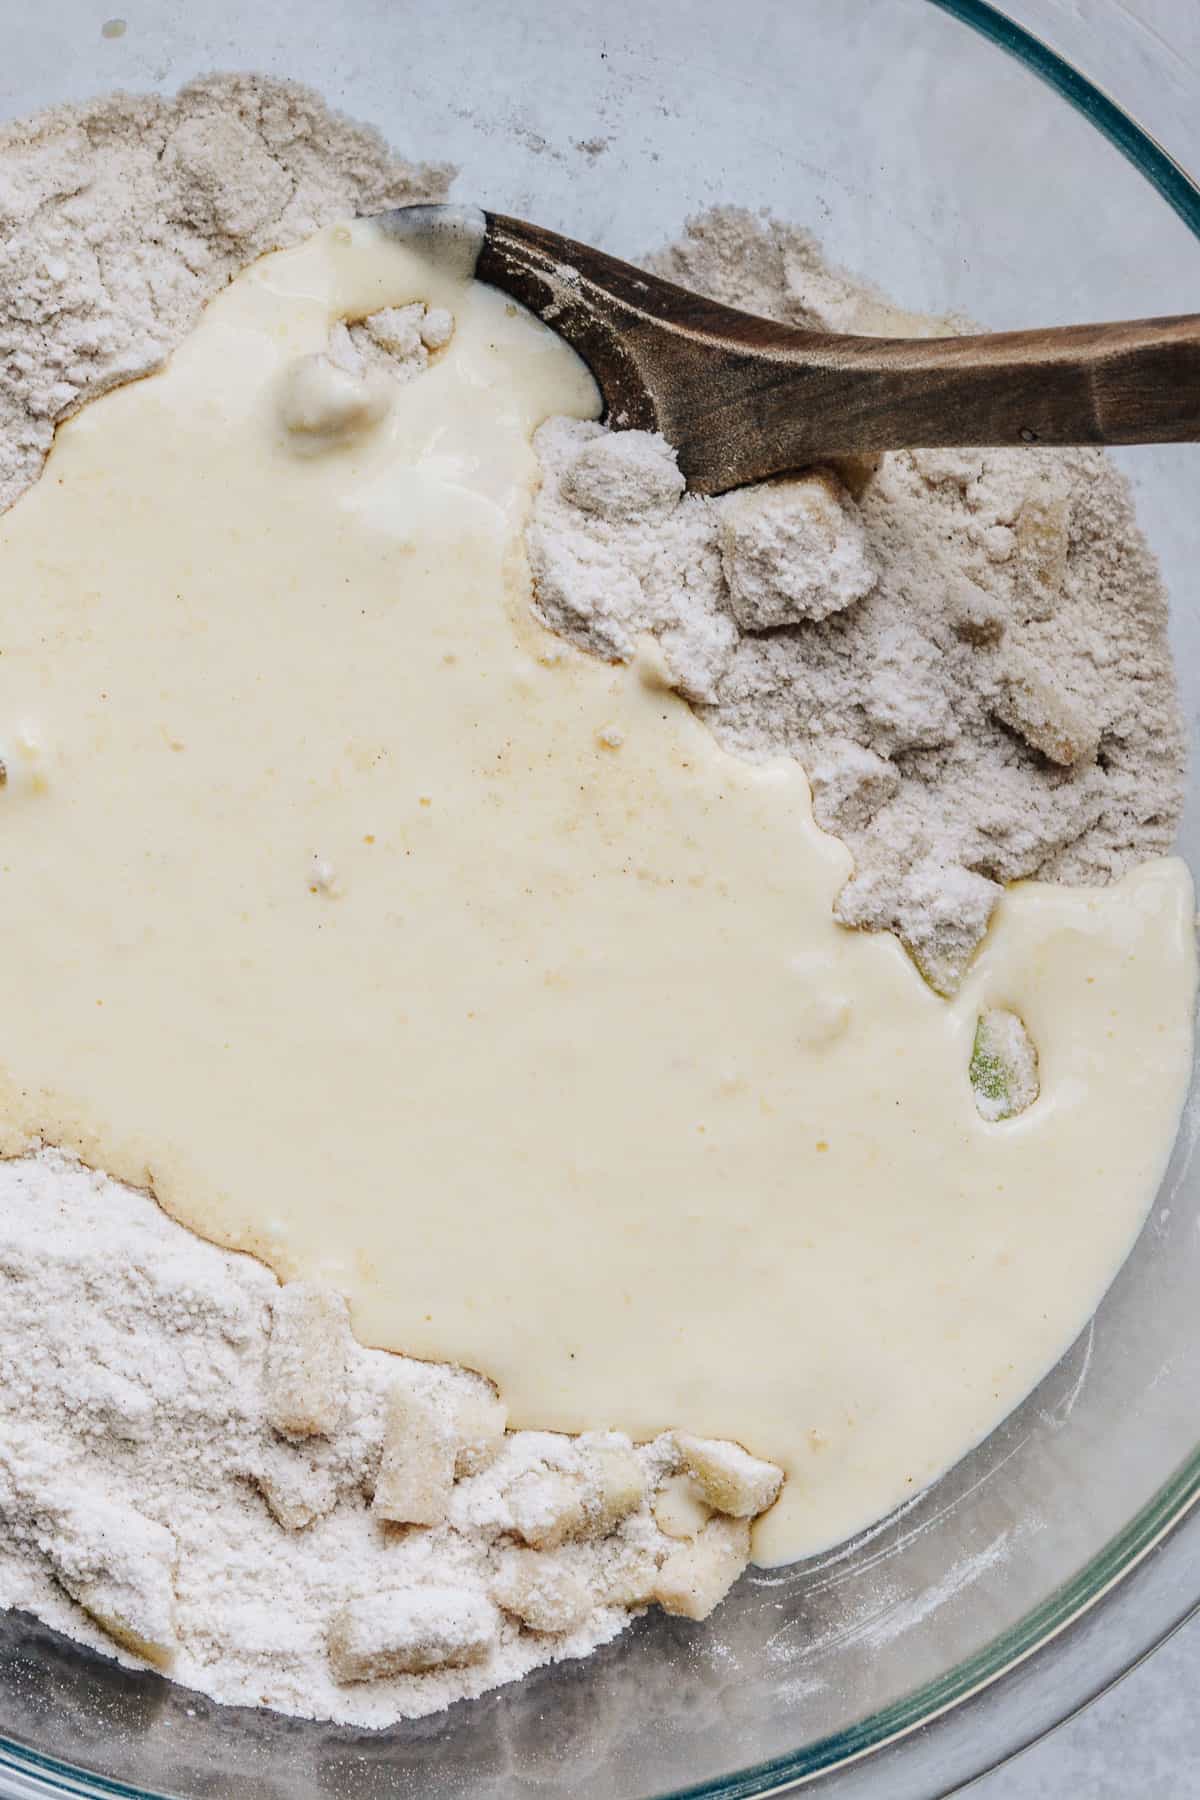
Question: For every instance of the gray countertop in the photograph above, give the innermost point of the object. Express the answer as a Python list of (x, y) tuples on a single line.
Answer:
[(1142, 1737)]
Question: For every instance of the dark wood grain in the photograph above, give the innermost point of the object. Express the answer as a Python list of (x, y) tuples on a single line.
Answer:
[(742, 398)]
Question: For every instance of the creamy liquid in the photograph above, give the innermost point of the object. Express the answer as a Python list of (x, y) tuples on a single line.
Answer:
[(561, 1069)]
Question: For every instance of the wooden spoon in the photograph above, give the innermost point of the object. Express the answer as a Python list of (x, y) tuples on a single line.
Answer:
[(741, 398)]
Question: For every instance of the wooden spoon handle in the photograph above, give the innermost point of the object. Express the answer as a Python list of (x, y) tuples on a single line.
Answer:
[(742, 398), (791, 397)]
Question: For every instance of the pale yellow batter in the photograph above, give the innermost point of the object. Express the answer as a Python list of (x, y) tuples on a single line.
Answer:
[(391, 940)]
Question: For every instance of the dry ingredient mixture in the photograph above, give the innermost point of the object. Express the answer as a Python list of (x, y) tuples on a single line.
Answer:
[(182, 1441), (206, 1469), (966, 650)]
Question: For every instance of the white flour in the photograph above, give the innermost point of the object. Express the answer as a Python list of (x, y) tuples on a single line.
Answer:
[(895, 648)]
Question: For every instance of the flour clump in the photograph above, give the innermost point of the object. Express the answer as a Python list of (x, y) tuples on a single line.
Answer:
[(793, 549), (624, 475)]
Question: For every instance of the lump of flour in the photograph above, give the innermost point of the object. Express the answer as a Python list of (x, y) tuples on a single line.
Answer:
[(966, 650), (323, 404), (616, 549), (793, 549), (624, 475), (334, 397)]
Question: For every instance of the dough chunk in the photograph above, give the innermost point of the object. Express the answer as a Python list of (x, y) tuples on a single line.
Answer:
[(629, 1578), (541, 1592), (296, 1492), (731, 1480), (480, 1420), (977, 616), (624, 475), (437, 328), (1043, 542), (1031, 703), (548, 1508), (850, 784), (1004, 1065), (119, 1566), (697, 1576), (680, 1509), (416, 1467), (306, 1359), (324, 405), (397, 329), (618, 1483), (409, 1630), (792, 550)]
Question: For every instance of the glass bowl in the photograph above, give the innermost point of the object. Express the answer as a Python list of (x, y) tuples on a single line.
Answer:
[(963, 165)]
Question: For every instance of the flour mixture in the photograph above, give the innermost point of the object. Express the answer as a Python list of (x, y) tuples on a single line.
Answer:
[(398, 921)]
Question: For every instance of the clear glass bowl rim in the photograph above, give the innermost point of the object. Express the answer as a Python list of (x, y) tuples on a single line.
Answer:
[(37, 1774)]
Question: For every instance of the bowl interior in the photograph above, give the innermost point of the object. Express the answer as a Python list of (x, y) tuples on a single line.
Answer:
[(927, 158)]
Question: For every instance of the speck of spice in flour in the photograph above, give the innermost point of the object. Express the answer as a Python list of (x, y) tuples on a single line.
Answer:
[(966, 651)]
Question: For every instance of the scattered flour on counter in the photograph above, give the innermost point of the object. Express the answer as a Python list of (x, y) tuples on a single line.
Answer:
[(966, 650)]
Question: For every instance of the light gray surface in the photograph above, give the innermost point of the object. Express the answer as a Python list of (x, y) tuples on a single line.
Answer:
[(1142, 1737)]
